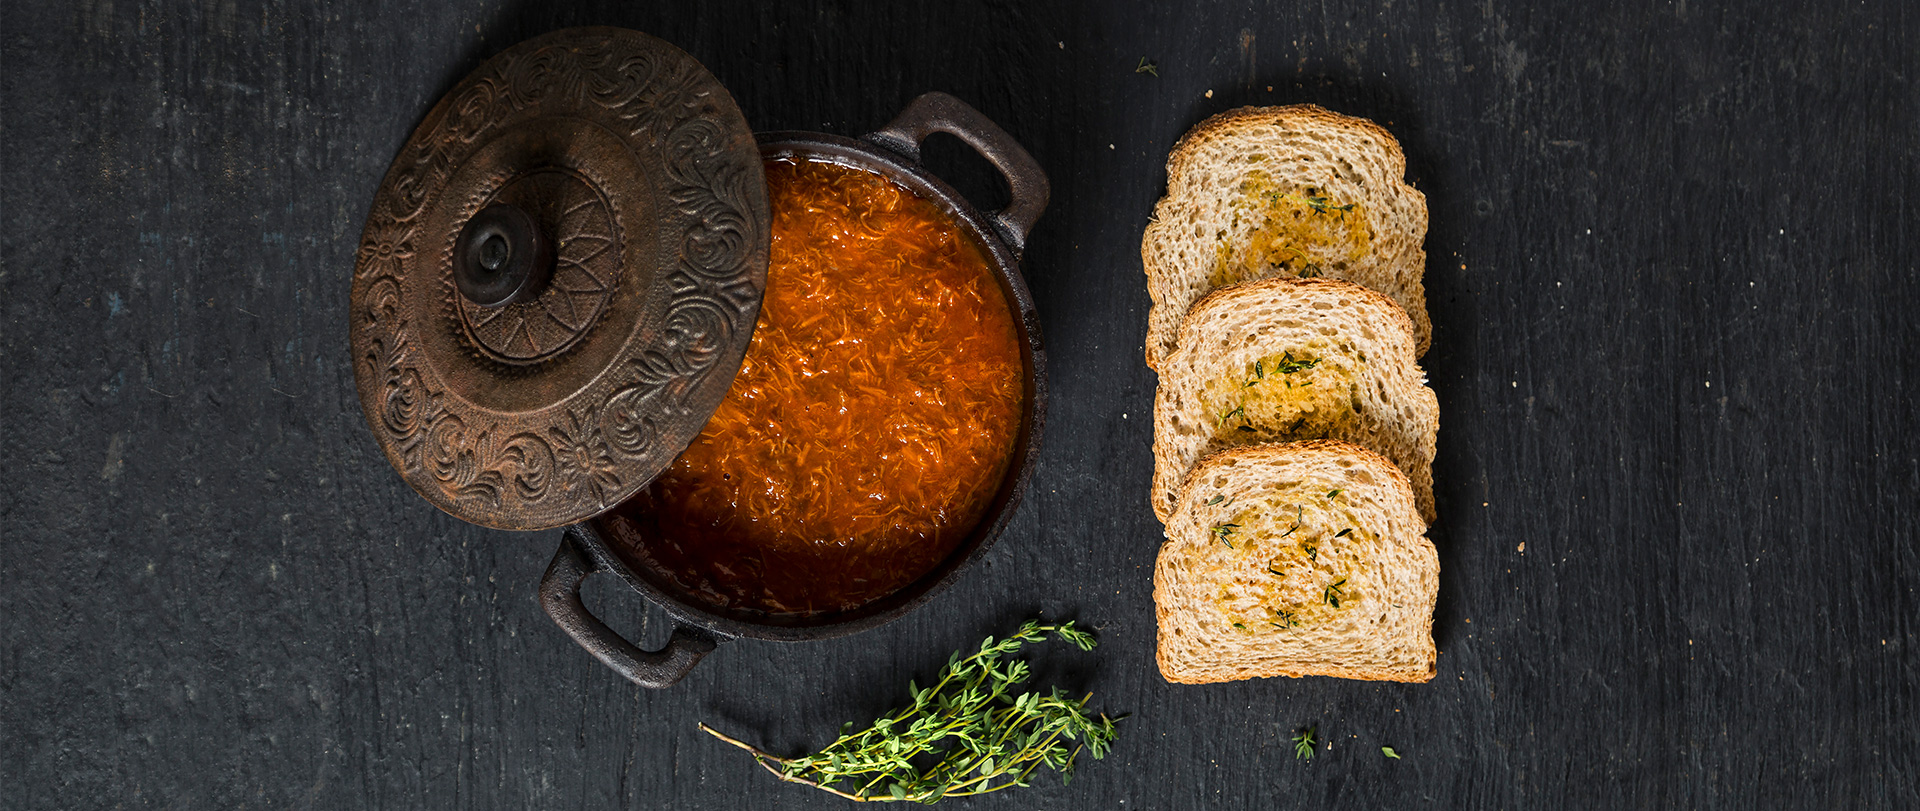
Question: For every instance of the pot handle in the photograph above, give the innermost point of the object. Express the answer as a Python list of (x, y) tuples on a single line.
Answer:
[(939, 112), (560, 596)]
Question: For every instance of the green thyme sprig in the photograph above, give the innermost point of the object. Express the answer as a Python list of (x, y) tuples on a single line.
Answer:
[(1221, 531), (1299, 515), (1320, 203), (1334, 592), (1323, 205), (1303, 743), (1259, 374), (984, 736), (1287, 365)]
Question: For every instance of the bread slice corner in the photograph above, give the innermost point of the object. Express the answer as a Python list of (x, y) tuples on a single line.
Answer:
[(1296, 559)]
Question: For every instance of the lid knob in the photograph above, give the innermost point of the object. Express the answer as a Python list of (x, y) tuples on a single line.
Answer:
[(501, 257)]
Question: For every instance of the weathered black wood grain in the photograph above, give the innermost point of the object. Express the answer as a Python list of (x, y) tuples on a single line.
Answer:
[(1672, 282)]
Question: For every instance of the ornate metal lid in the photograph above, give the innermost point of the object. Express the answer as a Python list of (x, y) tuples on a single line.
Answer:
[(559, 278)]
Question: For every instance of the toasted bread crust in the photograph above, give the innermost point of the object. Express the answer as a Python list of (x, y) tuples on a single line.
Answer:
[(1225, 298), (1302, 116)]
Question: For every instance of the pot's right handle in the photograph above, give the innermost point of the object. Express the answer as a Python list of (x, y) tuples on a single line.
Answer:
[(939, 112), (560, 596)]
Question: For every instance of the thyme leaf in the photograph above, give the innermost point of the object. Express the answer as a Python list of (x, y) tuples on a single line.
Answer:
[(1299, 514), (1288, 365), (1221, 531), (1322, 205), (1334, 592), (1303, 743)]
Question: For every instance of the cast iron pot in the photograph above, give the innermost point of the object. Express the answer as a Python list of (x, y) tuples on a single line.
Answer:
[(588, 548)]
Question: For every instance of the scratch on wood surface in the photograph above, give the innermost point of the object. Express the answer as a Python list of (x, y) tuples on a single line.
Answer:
[(1247, 55), (116, 457)]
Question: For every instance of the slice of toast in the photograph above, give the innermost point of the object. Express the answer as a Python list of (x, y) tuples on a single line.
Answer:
[(1291, 359), (1296, 559), (1292, 191)]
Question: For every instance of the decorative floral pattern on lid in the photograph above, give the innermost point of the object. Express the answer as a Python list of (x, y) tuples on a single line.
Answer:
[(642, 172)]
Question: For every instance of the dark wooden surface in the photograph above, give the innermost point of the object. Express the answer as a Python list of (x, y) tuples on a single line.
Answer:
[(1672, 279)]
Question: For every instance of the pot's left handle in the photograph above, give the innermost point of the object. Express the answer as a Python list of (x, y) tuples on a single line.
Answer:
[(939, 112), (560, 596)]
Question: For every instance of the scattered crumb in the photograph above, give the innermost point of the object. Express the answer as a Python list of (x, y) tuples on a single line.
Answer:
[(1209, 94), (1523, 546), (1270, 90)]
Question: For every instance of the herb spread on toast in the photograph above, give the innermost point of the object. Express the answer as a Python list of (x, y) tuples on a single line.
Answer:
[(1305, 393), (1295, 232), (1288, 560)]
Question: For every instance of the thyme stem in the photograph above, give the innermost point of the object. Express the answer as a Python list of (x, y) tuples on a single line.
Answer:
[(985, 737)]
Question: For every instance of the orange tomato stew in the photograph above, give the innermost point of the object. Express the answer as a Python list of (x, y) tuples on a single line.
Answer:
[(871, 423)]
